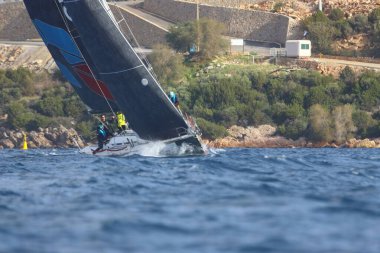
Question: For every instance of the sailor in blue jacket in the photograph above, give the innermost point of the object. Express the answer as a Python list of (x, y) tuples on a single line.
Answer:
[(103, 133), (174, 99)]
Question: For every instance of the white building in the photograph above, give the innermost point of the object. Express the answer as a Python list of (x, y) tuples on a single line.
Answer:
[(298, 48)]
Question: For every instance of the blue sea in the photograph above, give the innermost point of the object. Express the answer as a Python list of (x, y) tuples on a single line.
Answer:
[(231, 200)]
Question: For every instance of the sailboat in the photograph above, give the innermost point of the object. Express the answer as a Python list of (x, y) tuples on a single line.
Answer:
[(94, 55)]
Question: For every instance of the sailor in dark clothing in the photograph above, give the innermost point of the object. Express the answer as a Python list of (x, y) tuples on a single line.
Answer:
[(103, 133)]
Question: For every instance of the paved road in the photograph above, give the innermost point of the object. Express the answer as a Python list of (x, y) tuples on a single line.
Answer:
[(22, 43), (154, 20)]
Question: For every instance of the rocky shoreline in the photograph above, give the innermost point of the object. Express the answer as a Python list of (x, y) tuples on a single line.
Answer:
[(239, 137), (59, 137), (264, 137)]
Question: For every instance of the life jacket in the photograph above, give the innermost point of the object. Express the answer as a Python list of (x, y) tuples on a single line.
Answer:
[(101, 132), (173, 98), (120, 119)]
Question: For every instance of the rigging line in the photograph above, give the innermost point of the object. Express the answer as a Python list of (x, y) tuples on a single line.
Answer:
[(92, 73), (151, 73), (139, 58), (150, 68)]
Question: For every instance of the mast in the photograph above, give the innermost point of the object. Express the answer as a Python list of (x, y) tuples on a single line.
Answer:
[(198, 43)]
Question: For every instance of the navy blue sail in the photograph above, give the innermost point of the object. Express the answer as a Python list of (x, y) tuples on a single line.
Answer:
[(138, 94), (58, 33)]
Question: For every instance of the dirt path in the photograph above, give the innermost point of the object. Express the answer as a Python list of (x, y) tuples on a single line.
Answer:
[(336, 62)]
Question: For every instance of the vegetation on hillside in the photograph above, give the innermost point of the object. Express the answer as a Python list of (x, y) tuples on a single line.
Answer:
[(300, 103), (40, 100), (323, 30)]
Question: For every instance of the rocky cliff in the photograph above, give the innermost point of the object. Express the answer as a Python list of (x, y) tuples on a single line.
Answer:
[(297, 9)]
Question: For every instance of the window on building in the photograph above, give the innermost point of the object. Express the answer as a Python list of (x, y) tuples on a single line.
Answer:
[(304, 46)]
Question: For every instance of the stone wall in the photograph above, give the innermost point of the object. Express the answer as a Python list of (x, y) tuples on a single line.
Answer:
[(15, 23), (247, 24), (145, 33)]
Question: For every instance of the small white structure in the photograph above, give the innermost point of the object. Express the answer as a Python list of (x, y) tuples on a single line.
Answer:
[(237, 45), (298, 48)]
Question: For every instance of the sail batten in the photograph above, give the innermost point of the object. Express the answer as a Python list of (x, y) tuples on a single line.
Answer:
[(120, 71)]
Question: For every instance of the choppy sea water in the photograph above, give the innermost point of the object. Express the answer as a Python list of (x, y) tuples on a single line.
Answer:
[(232, 200)]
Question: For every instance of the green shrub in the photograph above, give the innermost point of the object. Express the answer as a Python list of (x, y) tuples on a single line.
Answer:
[(86, 129), (374, 16), (364, 123), (359, 23), (167, 65), (344, 29), (182, 36), (15, 93), (293, 129), (19, 115), (282, 113), (277, 6), (206, 33), (226, 117), (344, 127), (73, 107), (38, 121), (336, 14), (211, 130), (50, 106), (369, 90), (258, 79), (347, 75), (320, 124)]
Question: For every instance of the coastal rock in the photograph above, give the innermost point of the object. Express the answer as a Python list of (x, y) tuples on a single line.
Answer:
[(43, 138), (39, 140), (264, 137), (366, 143), (255, 137), (251, 133), (6, 143)]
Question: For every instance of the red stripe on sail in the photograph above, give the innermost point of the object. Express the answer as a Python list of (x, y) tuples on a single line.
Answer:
[(96, 86)]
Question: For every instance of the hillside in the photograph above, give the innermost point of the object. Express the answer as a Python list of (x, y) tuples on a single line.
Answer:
[(298, 9), (33, 57)]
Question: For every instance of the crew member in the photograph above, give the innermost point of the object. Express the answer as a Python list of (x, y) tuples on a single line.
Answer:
[(103, 133), (174, 99), (121, 124)]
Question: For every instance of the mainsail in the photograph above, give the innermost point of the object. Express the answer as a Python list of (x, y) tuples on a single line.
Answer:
[(93, 54), (58, 34), (138, 94)]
